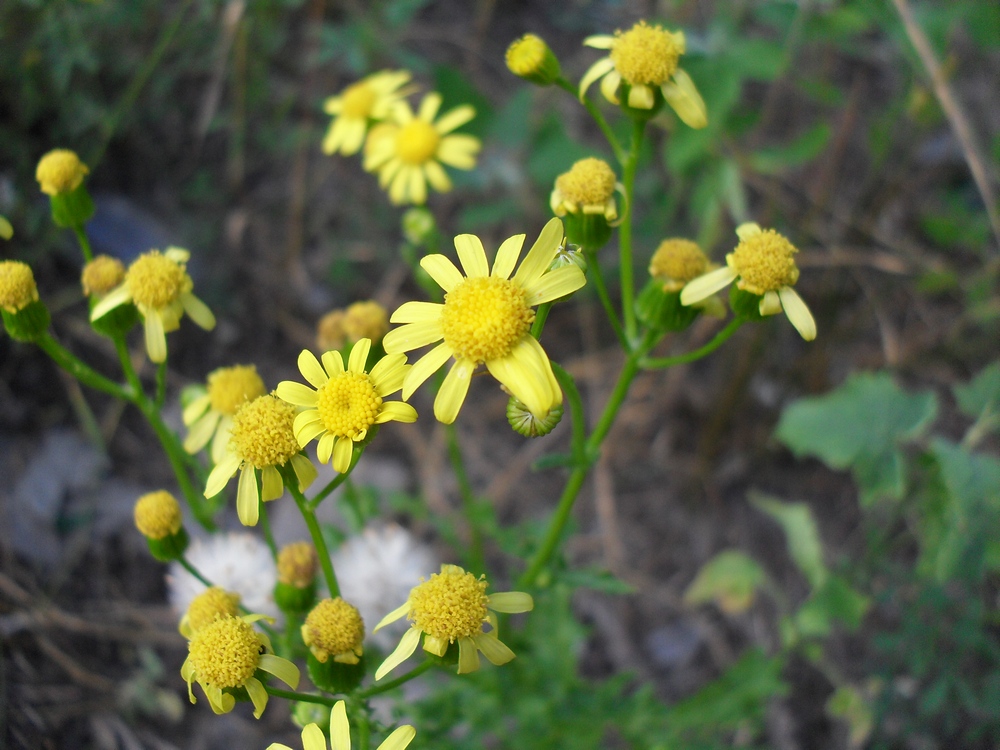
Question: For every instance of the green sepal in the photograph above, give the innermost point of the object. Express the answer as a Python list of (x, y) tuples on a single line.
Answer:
[(116, 322), (746, 305), (29, 323), (523, 422), (590, 231), (305, 712), (663, 311), (72, 209), (169, 548), (334, 676), (292, 600)]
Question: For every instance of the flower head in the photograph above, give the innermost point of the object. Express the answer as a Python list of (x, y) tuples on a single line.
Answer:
[(486, 319), (762, 264), (452, 606), (530, 58), (408, 153), (334, 628), (340, 734), (588, 187), (346, 402), (17, 286), (262, 438), (226, 655), (209, 416), (297, 563), (643, 61), (157, 515), (676, 262), (210, 605), (101, 275), (366, 319), (370, 99), (60, 171), (159, 285)]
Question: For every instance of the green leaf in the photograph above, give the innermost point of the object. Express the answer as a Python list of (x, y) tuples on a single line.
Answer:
[(801, 535), (757, 59), (835, 601), (982, 393), (730, 579), (848, 703), (597, 580), (801, 150)]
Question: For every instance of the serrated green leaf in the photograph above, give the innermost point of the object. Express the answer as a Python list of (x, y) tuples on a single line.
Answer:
[(981, 393), (801, 535), (730, 579)]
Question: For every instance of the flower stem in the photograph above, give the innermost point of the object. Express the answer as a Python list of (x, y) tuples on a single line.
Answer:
[(309, 516), (193, 571), (579, 434), (657, 363), (293, 695), (338, 480), (541, 315), (383, 687), (626, 269), (596, 275), (81, 236), (81, 371), (265, 526), (476, 556)]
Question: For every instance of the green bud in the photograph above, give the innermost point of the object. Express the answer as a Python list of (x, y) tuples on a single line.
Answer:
[(294, 600), (525, 423), (29, 323), (663, 311), (591, 231), (745, 304), (531, 58), (72, 209), (170, 547)]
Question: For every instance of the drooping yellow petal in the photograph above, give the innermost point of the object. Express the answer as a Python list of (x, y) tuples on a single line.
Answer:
[(396, 614), (221, 440), (407, 645), (221, 474), (198, 312), (248, 497), (114, 298), (770, 304), (424, 367), (195, 409), (435, 645), (304, 470), (437, 177), (511, 602), (798, 313), (472, 256), (283, 669), (468, 656), (641, 97), (450, 398), (493, 649), (156, 338), (682, 95), (704, 286), (201, 432), (271, 485), (258, 696), (609, 86), (595, 71), (343, 450), (324, 449), (340, 730)]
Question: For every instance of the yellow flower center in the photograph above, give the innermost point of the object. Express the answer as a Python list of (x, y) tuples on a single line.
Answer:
[(157, 515), (589, 182), (365, 320), (156, 281), (297, 564), (526, 55), (645, 54), (225, 653), (230, 387), (450, 605), (765, 262), (484, 317), (263, 432), (417, 142), (333, 627), (348, 404), (212, 604), (102, 275), (17, 286), (60, 171), (677, 261), (358, 100)]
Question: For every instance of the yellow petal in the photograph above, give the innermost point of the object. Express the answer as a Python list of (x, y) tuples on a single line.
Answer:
[(116, 297), (443, 272), (156, 339), (333, 363), (493, 649), (459, 150), (748, 230), (324, 449), (388, 373), (798, 313), (424, 367), (311, 369), (455, 118), (683, 96), (221, 474), (307, 425), (599, 41), (555, 284), (248, 497), (390, 618), (609, 86), (472, 256), (412, 336), (198, 312), (540, 256), (312, 738), (437, 177), (359, 356), (417, 312), (507, 255), (770, 304), (707, 285), (283, 669), (511, 602), (640, 97), (396, 411), (417, 192), (258, 696), (304, 470), (450, 398), (595, 71), (343, 450), (193, 411), (201, 432), (296, 393), (468, 656), (340, 730), (429, 106), (271, 485), (407, 645), (399, 739)]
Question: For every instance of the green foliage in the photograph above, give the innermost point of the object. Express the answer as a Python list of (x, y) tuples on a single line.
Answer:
[(730, 579), (801, 534)]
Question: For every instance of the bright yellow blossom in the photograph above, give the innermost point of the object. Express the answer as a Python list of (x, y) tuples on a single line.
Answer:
[(17, 286), (209, 417), (357, 106), (60, 171), (340, 734)]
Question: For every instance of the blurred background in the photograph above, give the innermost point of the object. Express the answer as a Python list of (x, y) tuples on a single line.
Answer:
[(201, 122)]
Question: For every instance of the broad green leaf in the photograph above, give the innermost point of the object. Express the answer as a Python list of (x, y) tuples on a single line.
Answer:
[(730, 579), (799, 151), (835, 601), (801, 535), (981, 393), (972, 479)]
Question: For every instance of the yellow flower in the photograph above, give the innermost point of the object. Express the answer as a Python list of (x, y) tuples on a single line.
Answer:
[(530, 58), (453, 606), (340, 734), (262, 438), (225, 655), (763, 263), (408, 154), (157, 515), (297, 563), (486, 319), (159, 285), (588, 187), (366, 319), (60, 171), (334, 627), (101, 275), (346, 402), (210, 605), (676, 262), (209, 417), (17, 286), (642, 60), (369, 99)]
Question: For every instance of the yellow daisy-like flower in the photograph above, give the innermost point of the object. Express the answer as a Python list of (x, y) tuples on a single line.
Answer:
[(261, 439), (209, 417), (334, 628), (641, 61), (226, 655), (210, 605), (763, 263), (486, 319), (370, 99), (340, 734), (588, 187), (453, 606), (17, 286), (101, 275), (60, 171), (409, 152), (346, 402), (677, 261), (159, 285)]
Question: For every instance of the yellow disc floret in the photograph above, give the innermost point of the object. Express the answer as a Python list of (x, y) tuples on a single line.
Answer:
[(526, 55), (765, 262), (60, 171), (645, 55), (214, 603), (157, 515), (484, 317), (348, 404), (417, 142), (358, 100), (263, 432), (335, 628), (225, 653), (589, 182), (17, 286), (101, 275), (677, 261), (297, 564), (156, 281), (230, 387), (451, 605)]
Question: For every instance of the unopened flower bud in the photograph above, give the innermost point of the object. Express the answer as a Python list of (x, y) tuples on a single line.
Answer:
[(158, 518), (525, 423), (531, 58), (24, 316)]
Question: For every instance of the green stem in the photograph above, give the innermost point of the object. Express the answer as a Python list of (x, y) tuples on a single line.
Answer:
[(309, 516), (579, 434), (476, 556), (541, 315), (81, 236), (265, 526), (392, 684), (597, 276), (337, 480), (657, 363), (193, 571), (80, 371), (591, 108), (626, 269), (293, 695), (161, 384)]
